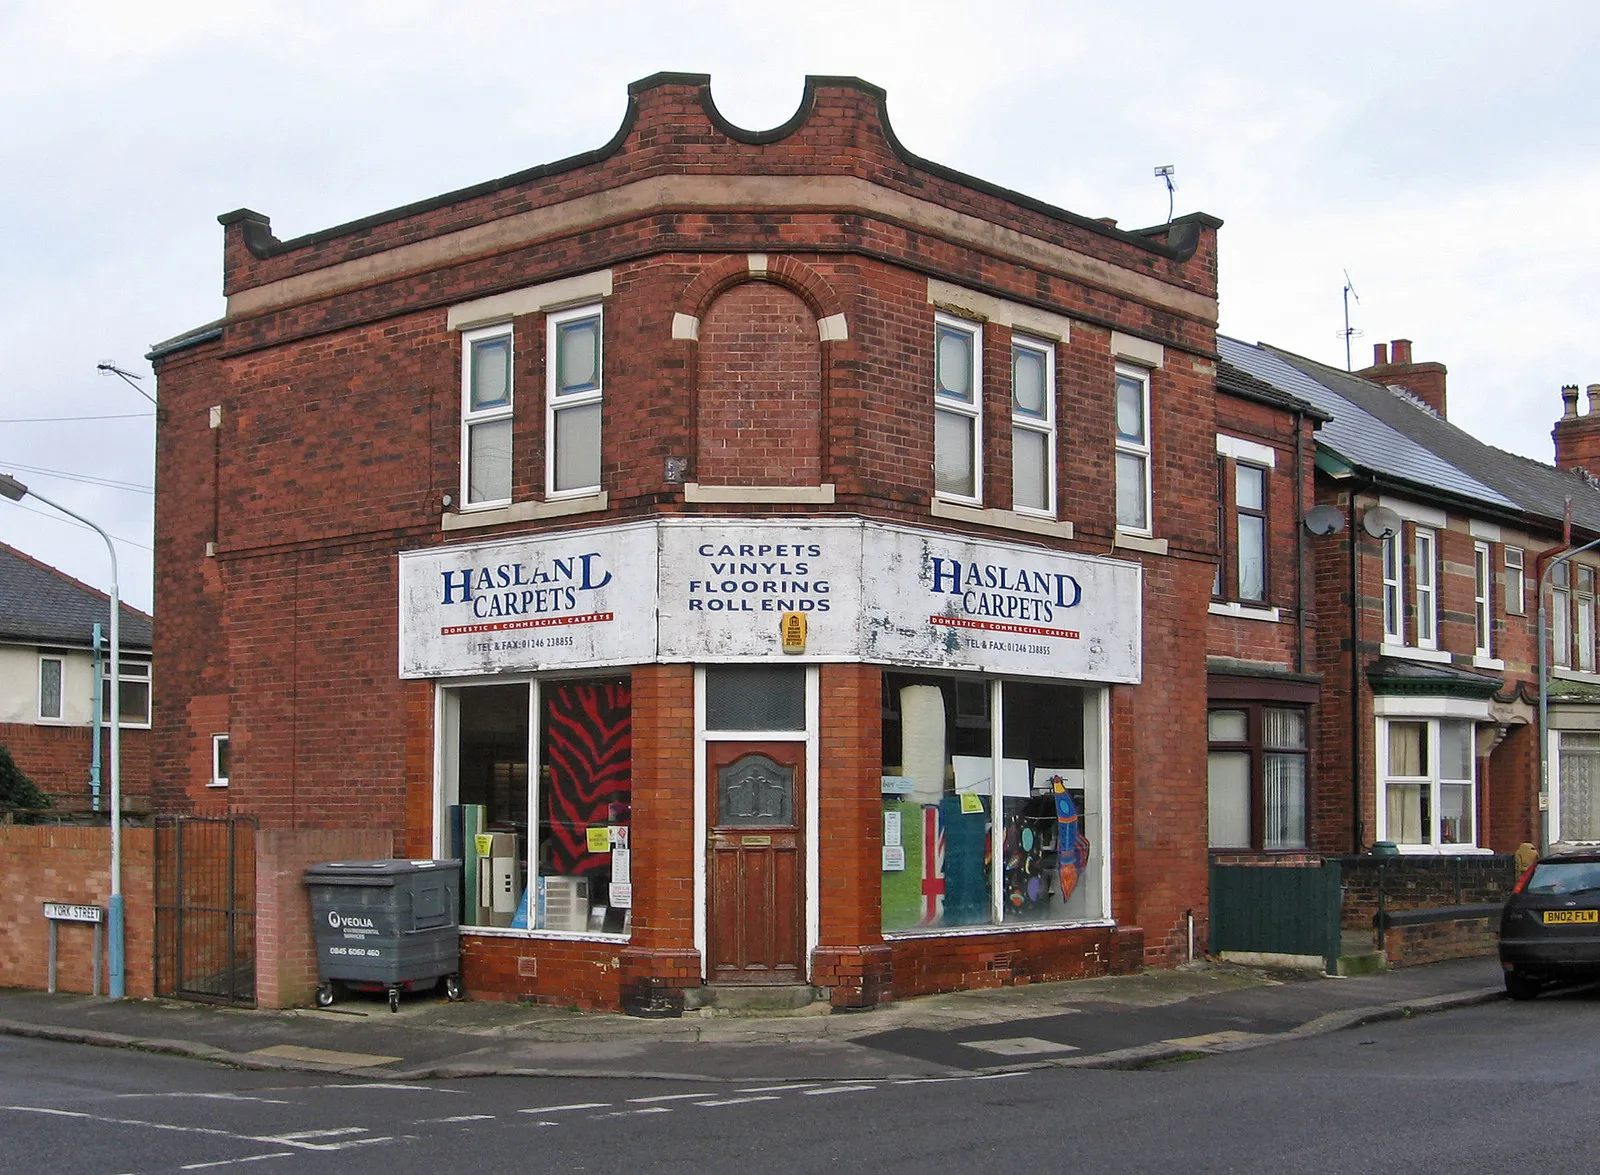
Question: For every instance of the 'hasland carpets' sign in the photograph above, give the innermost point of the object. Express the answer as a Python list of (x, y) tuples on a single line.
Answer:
[(708, 590)]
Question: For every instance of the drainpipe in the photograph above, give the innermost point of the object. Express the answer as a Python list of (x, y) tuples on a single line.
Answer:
[(1355, 683), (1300, 542)]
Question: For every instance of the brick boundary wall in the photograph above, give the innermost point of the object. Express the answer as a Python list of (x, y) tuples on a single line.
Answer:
[(1420, 883), (58, 863), (286, 958)]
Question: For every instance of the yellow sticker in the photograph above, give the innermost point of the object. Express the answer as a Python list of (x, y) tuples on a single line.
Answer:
[(971, 801), (792, 631), (484, 843), (599, 837)]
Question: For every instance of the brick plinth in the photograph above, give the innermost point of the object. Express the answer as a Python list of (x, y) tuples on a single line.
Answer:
[(924, 966), (857, 977)]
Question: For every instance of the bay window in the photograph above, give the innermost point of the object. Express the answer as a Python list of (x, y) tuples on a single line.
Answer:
[(1256, 777), (1428, 777)]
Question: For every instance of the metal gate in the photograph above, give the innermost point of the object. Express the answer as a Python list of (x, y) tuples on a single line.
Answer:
[(206, 909), (1281, 910)]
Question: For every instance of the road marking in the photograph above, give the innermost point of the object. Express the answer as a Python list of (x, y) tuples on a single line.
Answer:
[(568, 1106), (458, 1118), (408, 1087), (304, 1135), (793, 1085), (221, 1097), (838, 1089), (1020, 1046), (926, 1080), (207, 1131), (993, 1076), (739, 1101), (231, 1162), (634, 1113), (299, 1052), (668, 1097)]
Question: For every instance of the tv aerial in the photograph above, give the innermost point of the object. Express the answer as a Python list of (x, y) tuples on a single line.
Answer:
[(1349, 332), (1165, 172)]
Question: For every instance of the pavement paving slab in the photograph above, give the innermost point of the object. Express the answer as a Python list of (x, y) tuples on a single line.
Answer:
[(1116, 1021)]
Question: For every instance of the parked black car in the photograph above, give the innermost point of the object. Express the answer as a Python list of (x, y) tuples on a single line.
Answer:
[(1550, 929)]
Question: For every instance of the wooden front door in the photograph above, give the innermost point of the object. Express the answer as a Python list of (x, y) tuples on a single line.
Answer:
[(756, 862)]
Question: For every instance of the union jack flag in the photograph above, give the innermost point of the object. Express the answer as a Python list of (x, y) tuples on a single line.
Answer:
[(932, 867)]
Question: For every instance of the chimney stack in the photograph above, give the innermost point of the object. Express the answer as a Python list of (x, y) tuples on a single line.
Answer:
[(1392, 364), (1578, 437)]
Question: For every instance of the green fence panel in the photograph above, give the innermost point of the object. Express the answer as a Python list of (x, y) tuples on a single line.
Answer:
[(1285, 910)]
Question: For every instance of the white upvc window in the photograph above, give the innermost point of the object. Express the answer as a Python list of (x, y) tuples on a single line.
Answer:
[(1560, 616), (1427, 790), (219, 761), (1033, 426), (574, 367), (133, 691), (1482, 599), (1133, 449), (1426, 574), (1584, 635), (486, 395), (52, 699), (958, 410), (1577, 785), (1516, 591), (1394, 623)]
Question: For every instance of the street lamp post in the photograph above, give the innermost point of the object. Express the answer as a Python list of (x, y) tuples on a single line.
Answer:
[(11, 488)]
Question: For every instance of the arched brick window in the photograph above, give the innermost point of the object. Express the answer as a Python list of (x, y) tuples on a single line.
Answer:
[(760, 394)]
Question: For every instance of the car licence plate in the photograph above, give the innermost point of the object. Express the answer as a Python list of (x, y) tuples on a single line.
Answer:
[(1552, 917)]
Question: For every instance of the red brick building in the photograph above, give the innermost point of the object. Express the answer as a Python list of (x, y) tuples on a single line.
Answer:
[(763, 557)]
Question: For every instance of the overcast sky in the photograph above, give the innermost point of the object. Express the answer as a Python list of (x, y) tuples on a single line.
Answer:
[(1444, 154)]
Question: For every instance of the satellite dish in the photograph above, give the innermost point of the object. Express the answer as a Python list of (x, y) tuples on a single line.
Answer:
[(1324, 520), (1380, 522)]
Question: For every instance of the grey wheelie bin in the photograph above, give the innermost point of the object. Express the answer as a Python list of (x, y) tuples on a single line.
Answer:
[(387, 925)]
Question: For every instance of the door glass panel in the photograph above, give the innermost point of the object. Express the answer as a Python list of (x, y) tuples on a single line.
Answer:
[(755, 791)]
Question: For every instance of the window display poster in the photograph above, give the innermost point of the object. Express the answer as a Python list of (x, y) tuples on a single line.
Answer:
[(621, 867), (622, 895)]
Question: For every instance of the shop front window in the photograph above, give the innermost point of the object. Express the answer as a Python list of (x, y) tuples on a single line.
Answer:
[(993, 804), (561, 749)]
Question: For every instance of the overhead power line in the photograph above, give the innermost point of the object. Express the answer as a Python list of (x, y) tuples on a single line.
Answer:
[(79, 525), (86, 479), (74, 419)]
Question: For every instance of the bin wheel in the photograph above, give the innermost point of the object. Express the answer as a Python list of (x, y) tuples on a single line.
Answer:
[(452, 987), (394, 999), (324, 995)]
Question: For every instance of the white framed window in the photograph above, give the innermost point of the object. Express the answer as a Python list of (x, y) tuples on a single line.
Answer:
[(534, 797), (1133, 449), (1516, 591), (1561, 615), (486, 405), (219, 761), (1426, 573), (1427, 793), (1584, 634), (133, 691), (1250, 508), (52, 675), (1394, 622), (957, 410), (575, 376), (1007, 821), (1482, 600), (1577, 784), (1033, 428)]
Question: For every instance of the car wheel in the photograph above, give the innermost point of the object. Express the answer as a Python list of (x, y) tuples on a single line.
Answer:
[(1521, 987), (325, 995)]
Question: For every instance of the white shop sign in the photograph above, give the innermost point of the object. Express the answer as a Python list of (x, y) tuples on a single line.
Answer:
[(583, 598), (707, 590), (939, 600), (726, 585)]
